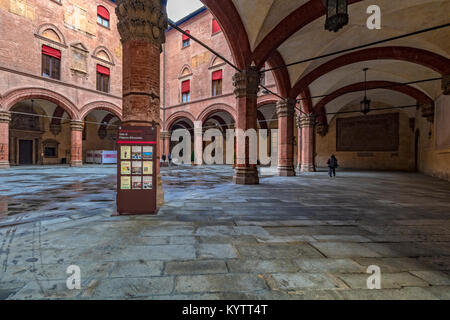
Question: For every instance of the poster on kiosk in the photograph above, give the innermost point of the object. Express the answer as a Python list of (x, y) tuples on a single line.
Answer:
[(136, 170)]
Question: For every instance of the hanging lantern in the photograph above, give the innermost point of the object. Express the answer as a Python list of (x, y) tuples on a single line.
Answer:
[(365, 103), (337, 14)]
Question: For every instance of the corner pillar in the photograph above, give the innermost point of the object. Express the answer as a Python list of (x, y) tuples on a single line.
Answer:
[(198, 143), (76, 143), (307, 124), (5, 119), (285, 114), (246, 86)]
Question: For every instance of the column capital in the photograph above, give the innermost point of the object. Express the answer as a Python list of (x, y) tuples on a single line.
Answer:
[(428, 111), (446, 84), (76, 125), (142, 20), (322, 129), (306, 120), (5, 116), (246, 83), (286, 108), (165, 134)]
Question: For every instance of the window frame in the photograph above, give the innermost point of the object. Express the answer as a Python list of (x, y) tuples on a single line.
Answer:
[(102, 80), (53, 66)]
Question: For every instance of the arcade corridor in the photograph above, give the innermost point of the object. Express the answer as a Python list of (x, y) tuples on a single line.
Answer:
[(291, 238)]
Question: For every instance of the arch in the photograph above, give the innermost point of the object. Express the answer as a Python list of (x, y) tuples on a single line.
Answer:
[(233, 28), (218, 107), (425, 58), (386, 85), (213, 64), (282, 79), (302, 16), (101, 105), (266, 102), (176, 116), (182, 74), (17, 95), (99, 49), (261, 120), (306, 100), (46, 26)]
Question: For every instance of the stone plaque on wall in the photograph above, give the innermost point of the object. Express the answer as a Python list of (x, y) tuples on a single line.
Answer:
[(442, 133), (368, 133)]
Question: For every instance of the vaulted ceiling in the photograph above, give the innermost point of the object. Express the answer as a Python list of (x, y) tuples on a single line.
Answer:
[(285, 31)]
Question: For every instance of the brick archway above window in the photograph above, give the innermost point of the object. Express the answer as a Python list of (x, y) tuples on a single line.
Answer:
[(14, 96), (101, 105), (49, 32)]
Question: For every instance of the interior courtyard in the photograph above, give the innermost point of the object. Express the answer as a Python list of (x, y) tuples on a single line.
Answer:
[(93, 73)]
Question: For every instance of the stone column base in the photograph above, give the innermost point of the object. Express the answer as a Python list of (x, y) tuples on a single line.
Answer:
[(4, 164), (307, 168), (76, 163), (286, 171), (246, 175), (159, 192)]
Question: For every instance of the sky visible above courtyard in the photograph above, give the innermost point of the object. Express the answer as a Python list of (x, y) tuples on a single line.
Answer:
[(177, 9)]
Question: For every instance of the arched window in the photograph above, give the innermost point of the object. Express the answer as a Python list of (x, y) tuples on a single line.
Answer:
[(103, 16), (217, 83), (186, 91), (51, 62), (186, 40)]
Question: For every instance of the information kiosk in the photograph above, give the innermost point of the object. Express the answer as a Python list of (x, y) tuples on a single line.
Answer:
[(136, 170)]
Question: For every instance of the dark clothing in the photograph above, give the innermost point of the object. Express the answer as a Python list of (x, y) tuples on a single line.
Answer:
[(163, 158), (332, 165), (332, 172)]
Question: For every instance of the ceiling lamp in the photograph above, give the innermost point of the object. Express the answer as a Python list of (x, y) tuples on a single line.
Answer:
[(365, 103), (337, 14)]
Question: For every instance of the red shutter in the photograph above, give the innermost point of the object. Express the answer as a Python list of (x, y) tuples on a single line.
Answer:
[(185, 37), (186, 86), (215, 26), (51, 52), (217, 75), (103, 70), (103, 12)]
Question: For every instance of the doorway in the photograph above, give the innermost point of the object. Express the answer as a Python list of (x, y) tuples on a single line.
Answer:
[(25, 152)]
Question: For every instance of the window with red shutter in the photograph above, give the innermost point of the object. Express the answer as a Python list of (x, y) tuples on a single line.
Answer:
[(216, 83), (185, 39), (103, 16), (51, 62), (215, 27), (186, 91)]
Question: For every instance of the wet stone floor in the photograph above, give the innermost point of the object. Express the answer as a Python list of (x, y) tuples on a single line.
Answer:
[(304, 237)]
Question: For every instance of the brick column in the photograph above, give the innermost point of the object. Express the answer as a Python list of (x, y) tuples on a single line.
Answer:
[(299, 145), (165, 141), (285, 113), (246, 87), (198, 143), (307, 123), (142, 25), (5, 118), (76, 143)]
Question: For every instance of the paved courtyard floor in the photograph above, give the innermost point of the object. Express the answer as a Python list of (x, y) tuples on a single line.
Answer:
[(305, 237)]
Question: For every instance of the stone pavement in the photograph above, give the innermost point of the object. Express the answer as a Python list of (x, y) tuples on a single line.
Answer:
[(305, 237)]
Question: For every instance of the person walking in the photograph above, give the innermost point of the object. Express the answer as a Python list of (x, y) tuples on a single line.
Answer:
[(170, 159), (332, 165)]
